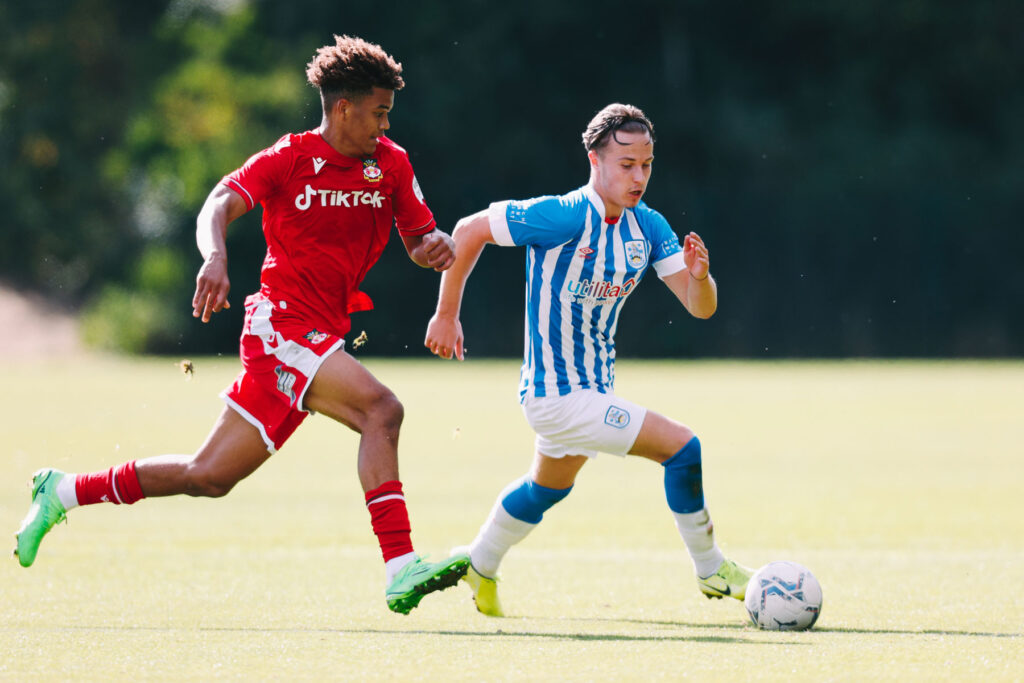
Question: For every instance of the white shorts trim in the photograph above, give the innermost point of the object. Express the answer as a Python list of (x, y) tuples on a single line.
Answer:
[(584, 422), (301, 401), (251, 419)]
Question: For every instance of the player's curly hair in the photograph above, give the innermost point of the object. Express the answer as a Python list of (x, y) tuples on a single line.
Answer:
[(611, 120), (352, 68)]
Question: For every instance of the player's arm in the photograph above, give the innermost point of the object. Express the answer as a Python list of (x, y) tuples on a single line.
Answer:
[(693, 285), (434, 250), (444, 333), (222, 206)]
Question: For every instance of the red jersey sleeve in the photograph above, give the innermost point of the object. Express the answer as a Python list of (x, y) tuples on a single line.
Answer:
[(262, 174), (412, 216)]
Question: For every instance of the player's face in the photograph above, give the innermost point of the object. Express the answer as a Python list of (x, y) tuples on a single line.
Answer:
[(365, 120), (622, 171)]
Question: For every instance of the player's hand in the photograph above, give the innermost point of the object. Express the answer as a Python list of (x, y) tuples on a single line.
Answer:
[(212, 287), (437, 250), (444, 337), (695, 256)]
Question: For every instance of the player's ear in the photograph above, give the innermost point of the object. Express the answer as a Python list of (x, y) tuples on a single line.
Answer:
[(592, 155), (341, 107)]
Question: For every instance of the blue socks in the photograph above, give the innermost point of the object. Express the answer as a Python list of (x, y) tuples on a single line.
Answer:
[(684, 487), (527, 500)]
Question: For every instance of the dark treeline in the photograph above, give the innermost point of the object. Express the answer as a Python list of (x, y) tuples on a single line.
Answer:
[(856, 168)]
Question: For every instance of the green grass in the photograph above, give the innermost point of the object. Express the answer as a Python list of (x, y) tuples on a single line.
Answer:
[(901, 485)]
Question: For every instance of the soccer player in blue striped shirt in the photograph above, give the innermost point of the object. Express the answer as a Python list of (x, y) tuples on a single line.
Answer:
[(586, 252)]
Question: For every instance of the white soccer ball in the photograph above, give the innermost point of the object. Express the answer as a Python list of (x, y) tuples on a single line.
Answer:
[(783, 596)]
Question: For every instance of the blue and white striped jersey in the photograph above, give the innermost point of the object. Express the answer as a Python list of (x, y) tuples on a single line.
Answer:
[(579, 271)]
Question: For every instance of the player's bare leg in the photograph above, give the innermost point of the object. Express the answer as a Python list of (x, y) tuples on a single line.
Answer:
[(346, 391), (232, 451), (660, 438), (677, 449), (557, 473)]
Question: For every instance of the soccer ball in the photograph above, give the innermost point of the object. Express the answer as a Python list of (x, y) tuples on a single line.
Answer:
[(783, 596)]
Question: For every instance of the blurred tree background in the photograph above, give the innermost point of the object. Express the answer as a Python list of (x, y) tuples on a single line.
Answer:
[(857, 169)]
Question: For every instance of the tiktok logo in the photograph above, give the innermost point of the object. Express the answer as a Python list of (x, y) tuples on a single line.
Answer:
[(304, 199)]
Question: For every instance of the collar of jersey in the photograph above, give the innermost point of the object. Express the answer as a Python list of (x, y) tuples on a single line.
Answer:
[(323, 149), (590, 193)]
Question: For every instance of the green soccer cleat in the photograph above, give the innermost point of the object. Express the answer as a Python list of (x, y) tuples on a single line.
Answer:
[(46, 510), (729, 581), (485, 590), (418, 578)]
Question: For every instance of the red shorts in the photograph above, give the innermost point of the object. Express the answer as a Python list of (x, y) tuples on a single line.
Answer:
[(281, 354)]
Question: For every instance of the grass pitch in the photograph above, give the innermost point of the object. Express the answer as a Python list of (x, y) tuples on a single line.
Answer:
[(898, 484)]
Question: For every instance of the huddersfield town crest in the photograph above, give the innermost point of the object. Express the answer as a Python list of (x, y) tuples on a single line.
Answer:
[(616, 417), (636, 253), (371, 171)]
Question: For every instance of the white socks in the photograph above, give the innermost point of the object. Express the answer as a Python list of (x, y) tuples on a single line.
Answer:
[(395, 565), (699, 535), (66, 492), (500, 532)]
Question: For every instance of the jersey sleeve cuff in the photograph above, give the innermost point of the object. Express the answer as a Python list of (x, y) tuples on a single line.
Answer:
[(670, 265), (423, 230), (233, 184), (499, 224)]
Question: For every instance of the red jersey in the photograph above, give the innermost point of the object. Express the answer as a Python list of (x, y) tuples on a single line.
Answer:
[(326, 219)]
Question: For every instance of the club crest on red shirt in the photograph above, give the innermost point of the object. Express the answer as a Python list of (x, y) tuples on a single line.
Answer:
[(315, 336), (371, 171)]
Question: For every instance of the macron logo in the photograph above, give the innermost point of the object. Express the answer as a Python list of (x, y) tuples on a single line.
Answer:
[(318, 163)]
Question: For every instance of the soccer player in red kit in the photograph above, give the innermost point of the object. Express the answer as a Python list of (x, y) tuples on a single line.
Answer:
[(329, 197)]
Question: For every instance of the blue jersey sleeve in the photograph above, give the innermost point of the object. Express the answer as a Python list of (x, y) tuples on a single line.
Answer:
[(666, 252), (542, 221)]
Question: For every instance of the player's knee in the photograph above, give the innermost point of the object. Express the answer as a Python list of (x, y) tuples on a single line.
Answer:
[(682, 437), (386, 413), (206, 482)]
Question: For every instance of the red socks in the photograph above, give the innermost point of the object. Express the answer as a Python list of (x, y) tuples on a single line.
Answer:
[(386, 503), (390, 519), (117, 485)]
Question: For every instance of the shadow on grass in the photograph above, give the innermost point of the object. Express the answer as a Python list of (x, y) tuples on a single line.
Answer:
[(608, 637), (922, 632), (497, 633), (502, 633), (746, 626)]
